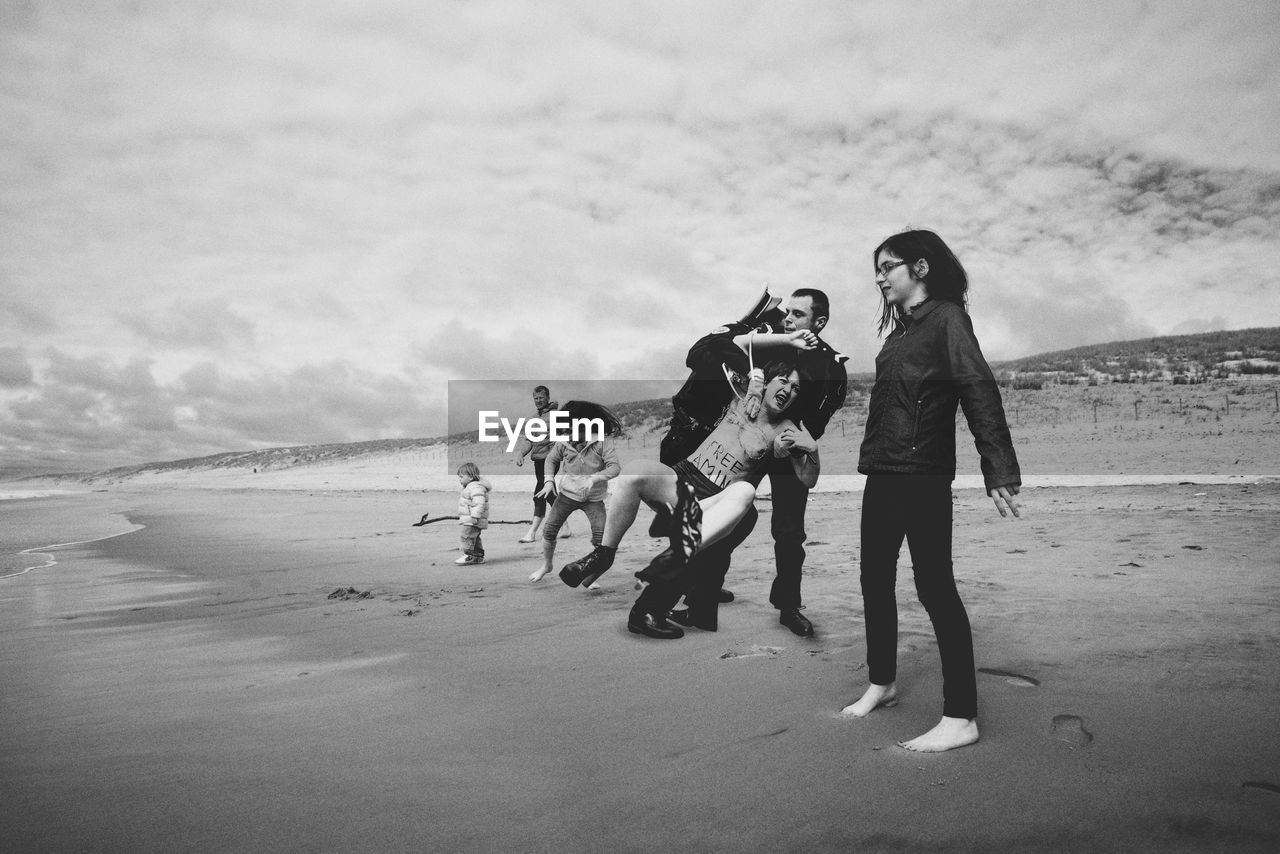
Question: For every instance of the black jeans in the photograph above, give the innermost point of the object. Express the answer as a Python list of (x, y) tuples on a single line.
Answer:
[(706, 572), (701, 579), (918, 508), (540, 478), (790, 497)]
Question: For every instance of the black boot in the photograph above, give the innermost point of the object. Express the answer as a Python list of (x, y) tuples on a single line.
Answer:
[(589, 568), (641, 622), (695, 619)]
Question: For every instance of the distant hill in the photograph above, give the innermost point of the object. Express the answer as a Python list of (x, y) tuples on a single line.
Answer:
[(1235, 351), (1173, 358), (266, 459)]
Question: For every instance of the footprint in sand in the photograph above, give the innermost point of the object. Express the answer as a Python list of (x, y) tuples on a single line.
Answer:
[(1070, 728), (1015, 679), (755, 652)]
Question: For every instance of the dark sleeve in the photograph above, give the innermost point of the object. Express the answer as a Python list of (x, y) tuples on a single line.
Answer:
[(711, 351), (828, 383), (980, 400)]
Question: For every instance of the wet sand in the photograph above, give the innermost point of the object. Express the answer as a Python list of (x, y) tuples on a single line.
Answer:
[(192, 686)]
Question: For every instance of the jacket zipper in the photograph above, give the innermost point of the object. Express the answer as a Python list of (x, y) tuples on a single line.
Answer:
[(915, 430)]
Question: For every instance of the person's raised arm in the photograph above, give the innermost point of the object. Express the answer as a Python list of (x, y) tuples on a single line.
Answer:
[(801, 339), (715, 349)]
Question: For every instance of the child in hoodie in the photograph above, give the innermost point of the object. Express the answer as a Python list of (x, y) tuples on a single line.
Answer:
[(579, 471), (473, 512)]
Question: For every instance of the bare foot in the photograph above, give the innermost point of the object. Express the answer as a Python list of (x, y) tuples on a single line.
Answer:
[(949, 733), (875, 697), (540, 574)]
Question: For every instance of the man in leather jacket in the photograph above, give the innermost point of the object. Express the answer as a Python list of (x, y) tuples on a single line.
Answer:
[(698, 406)]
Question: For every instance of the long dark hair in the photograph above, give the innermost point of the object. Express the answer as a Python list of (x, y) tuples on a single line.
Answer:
[(946, 279), (586, 409)]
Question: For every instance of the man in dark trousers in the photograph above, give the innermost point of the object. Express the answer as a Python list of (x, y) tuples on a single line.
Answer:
[(698, 405)]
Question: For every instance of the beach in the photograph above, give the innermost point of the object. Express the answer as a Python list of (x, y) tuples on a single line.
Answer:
[(304, 670)]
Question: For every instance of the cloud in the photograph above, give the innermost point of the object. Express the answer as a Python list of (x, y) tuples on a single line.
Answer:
[(312, 216), (101, 413), (466, 353), (196, 323), (23, 317), (15, 370)]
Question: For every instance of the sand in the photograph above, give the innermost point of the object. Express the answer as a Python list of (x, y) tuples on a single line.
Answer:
[(192, 685)]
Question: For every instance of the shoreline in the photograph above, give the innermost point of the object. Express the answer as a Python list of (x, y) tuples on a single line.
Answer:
[(829, 485)]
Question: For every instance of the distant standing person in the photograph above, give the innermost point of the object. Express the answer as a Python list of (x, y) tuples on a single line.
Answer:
[(473, 512), (537, 451), (929, 364)]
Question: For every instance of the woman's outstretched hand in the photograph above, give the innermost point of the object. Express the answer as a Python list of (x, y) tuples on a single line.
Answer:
[(1003, 497)]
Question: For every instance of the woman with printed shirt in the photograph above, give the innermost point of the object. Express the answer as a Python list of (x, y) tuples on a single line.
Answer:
[(930, 364)]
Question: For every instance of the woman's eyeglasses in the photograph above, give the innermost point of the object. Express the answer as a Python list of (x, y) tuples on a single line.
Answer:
[(884, 269)]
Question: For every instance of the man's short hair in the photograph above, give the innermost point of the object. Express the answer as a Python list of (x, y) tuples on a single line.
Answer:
[(543, 389), (821, 305)]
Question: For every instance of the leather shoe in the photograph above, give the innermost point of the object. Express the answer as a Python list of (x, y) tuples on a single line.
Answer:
[(725, 595), (794, 620), (644, 623), (587, 569), (684, 617)]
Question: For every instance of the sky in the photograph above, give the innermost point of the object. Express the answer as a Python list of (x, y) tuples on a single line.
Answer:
[(233, 225)]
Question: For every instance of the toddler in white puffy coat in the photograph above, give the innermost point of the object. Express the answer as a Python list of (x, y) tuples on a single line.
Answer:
[(473, 512)]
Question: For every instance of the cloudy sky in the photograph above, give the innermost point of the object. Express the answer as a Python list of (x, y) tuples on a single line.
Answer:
[(227, 224)]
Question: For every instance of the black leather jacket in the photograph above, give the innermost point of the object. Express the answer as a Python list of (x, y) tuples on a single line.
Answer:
[(927, 366), (698, 405)]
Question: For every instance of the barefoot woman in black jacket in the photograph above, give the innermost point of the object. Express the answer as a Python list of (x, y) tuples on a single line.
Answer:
[(930, 363)]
